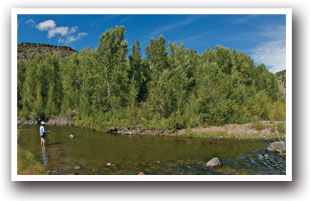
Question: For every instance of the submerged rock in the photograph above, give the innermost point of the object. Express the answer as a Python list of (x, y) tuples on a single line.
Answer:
[(76, 167), (214, 162), (260, 157), (278, 146)]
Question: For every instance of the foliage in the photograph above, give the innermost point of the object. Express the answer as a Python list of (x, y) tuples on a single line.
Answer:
[(172, 87)]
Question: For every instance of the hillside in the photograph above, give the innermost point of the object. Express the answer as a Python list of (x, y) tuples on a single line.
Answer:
[(281, 78), (27, 51)]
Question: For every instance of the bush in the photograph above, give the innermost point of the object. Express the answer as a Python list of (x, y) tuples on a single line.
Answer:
[(258, 125), (277, 111), (281, 127)]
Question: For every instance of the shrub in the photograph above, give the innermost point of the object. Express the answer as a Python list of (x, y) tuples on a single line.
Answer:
[(277, 111), (258, 125), (281, 127)]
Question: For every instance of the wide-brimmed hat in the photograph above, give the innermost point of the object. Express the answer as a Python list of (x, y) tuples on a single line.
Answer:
[(42, 122)]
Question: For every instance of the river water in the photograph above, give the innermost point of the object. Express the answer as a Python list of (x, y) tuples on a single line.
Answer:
[(106, 154)]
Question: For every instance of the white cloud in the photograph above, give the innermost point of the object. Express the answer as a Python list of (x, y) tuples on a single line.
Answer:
[(65, 35), (80, 35), (46, 25), (31, 21), (71, 38), (58, 30), (73, 29), (272, 52)]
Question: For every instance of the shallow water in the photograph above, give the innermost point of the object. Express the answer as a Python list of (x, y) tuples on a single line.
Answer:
[(92, 151)]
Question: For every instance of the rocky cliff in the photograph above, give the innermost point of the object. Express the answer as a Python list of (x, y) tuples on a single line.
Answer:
[(281, 77), (27, 51)]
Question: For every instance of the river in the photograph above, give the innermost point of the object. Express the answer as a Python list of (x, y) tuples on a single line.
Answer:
[(90, 152)]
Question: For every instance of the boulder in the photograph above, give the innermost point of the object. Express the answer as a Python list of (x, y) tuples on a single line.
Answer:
[(214, 162), (126, 131), (278, 146), (76, 167)]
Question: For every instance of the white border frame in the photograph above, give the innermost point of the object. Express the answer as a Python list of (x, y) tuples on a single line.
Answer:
[(285, 11)]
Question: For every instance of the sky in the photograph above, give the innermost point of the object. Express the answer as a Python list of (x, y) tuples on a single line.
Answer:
[(263, 37)]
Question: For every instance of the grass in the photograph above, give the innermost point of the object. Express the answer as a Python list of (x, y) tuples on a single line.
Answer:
[(281, 127), (27, 163), (258, 125), (203, 135)]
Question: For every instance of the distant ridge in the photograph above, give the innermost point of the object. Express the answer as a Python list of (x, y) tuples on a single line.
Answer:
[(27, 51)]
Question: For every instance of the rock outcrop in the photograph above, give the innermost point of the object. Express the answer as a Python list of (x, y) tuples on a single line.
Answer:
[(27, 51), (281, 78)]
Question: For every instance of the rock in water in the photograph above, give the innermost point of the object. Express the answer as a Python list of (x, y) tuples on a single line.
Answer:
[(71, 136), (141, 173), (108, 165), (260, 157), (77, 167), (278, 146), (214, 162)]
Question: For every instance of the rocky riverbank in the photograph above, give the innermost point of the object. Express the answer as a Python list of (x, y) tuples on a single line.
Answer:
[(57, 121), (256, 130)]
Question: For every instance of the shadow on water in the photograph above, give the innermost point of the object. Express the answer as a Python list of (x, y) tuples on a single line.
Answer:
[(92, 152)]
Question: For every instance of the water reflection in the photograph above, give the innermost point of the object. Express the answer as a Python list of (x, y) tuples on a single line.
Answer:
[(44, 156)]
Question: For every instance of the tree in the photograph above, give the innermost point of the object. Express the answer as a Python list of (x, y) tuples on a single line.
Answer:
[(21, 69), (112, 85), (138, 72), (42, 87), (182, 89)]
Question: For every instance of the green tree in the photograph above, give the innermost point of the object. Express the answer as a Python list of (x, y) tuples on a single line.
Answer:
[(112, 85), (21, 69)]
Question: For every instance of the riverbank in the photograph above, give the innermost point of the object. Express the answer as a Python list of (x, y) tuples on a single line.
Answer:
[(269, 130), (27, 163), (259, 130)]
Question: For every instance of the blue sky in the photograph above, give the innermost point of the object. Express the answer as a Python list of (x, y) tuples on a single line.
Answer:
[(260, 36)]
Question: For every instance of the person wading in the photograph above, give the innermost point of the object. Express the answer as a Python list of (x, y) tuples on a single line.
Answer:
[(42, 134)]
